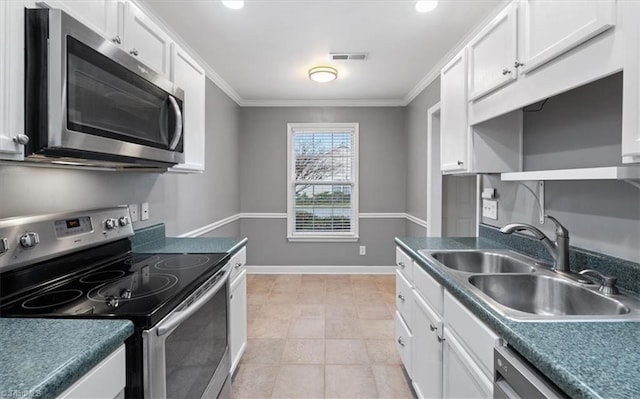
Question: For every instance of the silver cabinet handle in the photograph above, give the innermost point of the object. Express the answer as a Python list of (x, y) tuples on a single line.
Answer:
[(401, 297), (506, 71), (517, 64), (460, 163), (177, 133), (440, 339), (237, 265), (21, 139), (134, 52), (432, 327), (117, 40), (401, 342), (401, 264)]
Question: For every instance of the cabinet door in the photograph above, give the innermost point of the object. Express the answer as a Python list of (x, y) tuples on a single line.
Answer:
[(427, 349), (190, 77), (403, 342), (145, 40), (551, 28), (238, 318), (454, 129), (404, 302), (462, 378), (11, 79), (492, 54), (99, 15)]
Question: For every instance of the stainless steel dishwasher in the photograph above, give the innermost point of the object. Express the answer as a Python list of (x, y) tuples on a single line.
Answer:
[(515, 378)]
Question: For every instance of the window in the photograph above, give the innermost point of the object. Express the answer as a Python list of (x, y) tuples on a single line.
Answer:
[(322, 182)]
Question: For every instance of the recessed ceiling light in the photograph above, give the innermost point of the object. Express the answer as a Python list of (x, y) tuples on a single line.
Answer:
[(233, 4), (323, 74), (426, 5)]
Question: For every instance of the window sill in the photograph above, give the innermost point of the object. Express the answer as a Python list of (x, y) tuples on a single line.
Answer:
[(323, 239)]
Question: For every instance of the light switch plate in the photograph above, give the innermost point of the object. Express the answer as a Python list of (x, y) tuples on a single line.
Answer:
[(363, 250), (133, 212), (144, 211), (490, 209)]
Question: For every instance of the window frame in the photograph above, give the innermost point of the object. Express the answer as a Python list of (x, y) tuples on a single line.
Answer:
[(292, 235)]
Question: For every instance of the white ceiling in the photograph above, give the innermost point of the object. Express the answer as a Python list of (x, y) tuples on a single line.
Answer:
[(261, 53)]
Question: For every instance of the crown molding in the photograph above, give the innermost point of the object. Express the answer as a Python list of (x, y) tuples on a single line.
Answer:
[(322, 103), (429, 78)]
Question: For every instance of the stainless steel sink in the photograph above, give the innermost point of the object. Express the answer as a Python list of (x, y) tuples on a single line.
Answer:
[(546, 296), (483, 262), (524, 289)]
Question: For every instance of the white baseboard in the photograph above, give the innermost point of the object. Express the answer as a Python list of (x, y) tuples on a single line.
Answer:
[(276, 269)]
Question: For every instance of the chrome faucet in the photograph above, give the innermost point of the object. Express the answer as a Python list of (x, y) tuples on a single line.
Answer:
[(559, 249)]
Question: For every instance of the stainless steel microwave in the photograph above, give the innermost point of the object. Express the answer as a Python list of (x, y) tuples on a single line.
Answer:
[(89, 102)]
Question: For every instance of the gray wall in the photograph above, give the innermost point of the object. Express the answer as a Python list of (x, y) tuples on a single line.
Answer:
[(382, 179), (580, 128), (416, 124), (183, 202)]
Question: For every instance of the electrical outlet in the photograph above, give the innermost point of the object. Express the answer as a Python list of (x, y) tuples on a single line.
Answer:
[(144, 211), (490, 209), (133, 212), (363, 249)]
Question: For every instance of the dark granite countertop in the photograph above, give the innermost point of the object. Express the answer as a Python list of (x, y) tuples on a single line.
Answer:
[(43, 357), (198, 245), (152, 240), (585, 359)]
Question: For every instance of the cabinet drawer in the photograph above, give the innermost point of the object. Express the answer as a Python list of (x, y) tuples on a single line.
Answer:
[(403, 298), (474, 334), (428, 287), (238, 262), (405, 264), (106, 380), (403, 343)]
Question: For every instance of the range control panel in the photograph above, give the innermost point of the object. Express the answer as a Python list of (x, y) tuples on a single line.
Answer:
[(26, 240)]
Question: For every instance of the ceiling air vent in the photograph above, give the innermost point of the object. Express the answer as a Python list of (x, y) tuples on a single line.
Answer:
[(348, 56)]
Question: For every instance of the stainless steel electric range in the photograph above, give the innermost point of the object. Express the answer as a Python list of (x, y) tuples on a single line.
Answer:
[(80, 265)]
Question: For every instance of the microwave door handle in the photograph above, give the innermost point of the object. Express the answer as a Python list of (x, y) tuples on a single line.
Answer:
[(177, 133), (178, 317)]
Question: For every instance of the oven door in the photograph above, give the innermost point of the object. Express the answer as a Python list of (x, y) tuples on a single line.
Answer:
[(186, 355)]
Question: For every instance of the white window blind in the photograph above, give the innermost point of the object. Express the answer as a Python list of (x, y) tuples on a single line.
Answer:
[(323, 181)]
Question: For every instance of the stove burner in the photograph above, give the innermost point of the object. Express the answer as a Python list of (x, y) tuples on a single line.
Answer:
[(103, 276), (52, 299), (139, 287), (182, 262)]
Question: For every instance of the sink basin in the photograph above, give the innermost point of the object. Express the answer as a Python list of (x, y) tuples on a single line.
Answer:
[(546, 296), (482, 262)]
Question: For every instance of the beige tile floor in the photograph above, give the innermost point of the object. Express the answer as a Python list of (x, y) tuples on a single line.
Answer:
[(320, 336)]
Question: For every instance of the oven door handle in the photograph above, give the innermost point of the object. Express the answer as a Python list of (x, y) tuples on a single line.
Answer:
[(177, 318), (177, 133)]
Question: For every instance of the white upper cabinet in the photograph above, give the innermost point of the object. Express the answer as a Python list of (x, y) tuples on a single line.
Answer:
[(493, 54), (454, 128), (551, 28), (99, 15), (190, 76), (142, 38), (11, 80)]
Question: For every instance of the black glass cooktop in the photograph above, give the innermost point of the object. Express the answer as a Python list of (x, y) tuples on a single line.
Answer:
[(139, 287)]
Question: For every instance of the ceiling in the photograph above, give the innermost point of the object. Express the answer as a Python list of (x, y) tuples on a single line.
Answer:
[(260, 55)]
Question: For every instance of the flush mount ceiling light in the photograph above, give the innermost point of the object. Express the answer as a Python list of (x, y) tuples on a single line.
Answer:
[(233, 4), (426, 5), (323, 74)]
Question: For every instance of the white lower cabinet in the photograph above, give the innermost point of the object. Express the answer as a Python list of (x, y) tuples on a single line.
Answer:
[(106, 380), (238, 308), (403, 342), (462, 377), (446, 350), (427, 350)]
